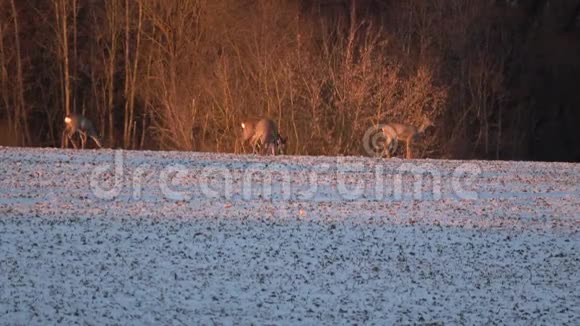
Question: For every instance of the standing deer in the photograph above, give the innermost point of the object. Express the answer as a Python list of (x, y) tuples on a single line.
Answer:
[(263, 136), (395, 132), (76, 123)]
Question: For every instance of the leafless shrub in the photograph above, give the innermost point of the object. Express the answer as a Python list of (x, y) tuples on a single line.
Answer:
[(183, 74)]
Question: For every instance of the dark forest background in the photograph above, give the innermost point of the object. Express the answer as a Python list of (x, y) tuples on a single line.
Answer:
[(501, 79)]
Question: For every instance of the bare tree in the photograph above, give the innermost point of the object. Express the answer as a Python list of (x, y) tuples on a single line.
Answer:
[(21, 116)]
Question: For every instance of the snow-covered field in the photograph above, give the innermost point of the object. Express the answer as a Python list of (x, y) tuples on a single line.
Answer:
[(195, 238)]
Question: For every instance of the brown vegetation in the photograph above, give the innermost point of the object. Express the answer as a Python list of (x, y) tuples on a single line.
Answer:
[(499, 78)]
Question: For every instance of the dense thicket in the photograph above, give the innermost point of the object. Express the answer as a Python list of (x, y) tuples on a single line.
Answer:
[(499, 78)]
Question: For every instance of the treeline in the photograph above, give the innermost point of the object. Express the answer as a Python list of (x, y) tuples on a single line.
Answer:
[(499, 78)]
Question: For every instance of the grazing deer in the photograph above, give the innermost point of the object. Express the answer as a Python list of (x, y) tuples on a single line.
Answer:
[(263, 136), (76, 123), (395, 132)]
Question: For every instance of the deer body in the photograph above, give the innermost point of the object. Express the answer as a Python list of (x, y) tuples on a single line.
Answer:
[(76, 123), (263, 134), (395, 132)]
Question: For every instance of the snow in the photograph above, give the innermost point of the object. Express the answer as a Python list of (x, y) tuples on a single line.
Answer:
[(328, 240)]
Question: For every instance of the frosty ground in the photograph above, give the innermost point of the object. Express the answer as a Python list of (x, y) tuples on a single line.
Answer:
[(197, 238)]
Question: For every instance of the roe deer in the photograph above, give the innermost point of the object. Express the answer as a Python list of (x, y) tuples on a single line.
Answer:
[(395, 132), (264, 135), (76, 123)]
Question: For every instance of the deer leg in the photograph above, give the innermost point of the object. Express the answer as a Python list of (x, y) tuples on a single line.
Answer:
[(72, 141), (409, 155), (254, 144), (264, 148), (96, 140), (391, 146), (280, 145), (244, 147), (64, 139), (83, 139)]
